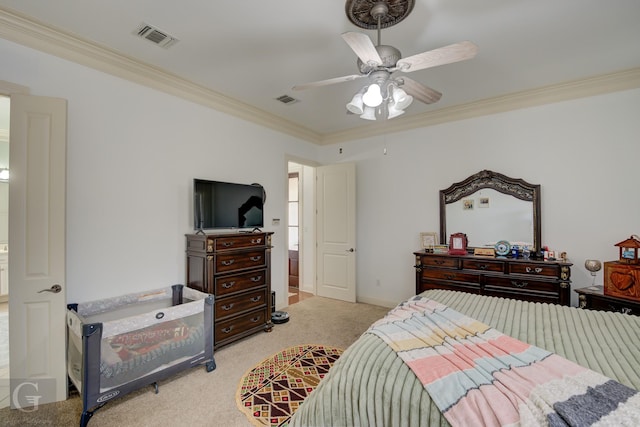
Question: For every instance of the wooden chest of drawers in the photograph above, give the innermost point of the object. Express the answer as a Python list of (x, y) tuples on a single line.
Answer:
[(622, 280), (541, 281), (236, 269)]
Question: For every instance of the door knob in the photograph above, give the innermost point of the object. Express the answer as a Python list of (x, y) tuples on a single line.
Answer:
[(350, 250), (54, 289)]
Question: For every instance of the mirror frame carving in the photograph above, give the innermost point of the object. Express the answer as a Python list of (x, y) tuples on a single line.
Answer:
[(515, 187)]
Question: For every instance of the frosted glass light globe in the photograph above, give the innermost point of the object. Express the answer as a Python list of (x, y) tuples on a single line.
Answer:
[(373, 96)]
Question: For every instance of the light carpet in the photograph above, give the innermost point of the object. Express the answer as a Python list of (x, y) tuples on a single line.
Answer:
[(198, 398), (271, 392)]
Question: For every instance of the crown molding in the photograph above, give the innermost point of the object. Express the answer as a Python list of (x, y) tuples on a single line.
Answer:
[(28, 32), (598, 85)]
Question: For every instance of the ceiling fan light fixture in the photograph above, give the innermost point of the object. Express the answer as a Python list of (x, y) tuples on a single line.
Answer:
[(373, 96), (401, 99), (356, 105), (369, 113), (394, 111), (382, 97)]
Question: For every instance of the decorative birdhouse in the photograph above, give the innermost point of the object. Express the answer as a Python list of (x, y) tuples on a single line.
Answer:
[(629, 250)]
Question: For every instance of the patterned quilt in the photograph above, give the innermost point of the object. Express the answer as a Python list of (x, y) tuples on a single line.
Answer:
[(478, 376)]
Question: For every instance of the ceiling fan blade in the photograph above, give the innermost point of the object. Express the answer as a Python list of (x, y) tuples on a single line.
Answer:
[(420, 91), (441, 56), (328, 82), (362, 45)]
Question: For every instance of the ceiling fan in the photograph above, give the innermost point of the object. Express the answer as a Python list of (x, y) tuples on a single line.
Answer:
[(388, 95)]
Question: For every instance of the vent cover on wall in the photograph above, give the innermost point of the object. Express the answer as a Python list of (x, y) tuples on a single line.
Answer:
[(155, 35)]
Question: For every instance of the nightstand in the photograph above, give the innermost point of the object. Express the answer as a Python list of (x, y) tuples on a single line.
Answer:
[(594, 298)]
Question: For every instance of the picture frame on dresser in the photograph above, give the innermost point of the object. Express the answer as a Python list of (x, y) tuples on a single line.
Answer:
[(428, 239)]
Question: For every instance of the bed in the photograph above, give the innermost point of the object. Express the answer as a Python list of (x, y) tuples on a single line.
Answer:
[(370, 385)]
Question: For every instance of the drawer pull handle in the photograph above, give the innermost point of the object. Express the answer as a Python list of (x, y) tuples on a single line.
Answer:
[(534, 270), (483, 266), (227, 244), (227, 329), (256, 298), (227, 307), (256, 278), (519, 284), (439, 261), (227, 263), (228, 285), (255, 319), (256, 241), (450, 276), (256, 258)]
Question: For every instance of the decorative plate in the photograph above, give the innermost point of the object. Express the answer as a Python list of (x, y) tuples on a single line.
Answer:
[(502, 248)]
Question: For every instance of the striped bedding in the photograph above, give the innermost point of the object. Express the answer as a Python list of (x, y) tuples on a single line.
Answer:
[(371, 386)]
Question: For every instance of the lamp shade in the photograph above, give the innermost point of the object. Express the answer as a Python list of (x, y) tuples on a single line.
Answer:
[(369, 113), (394, 112), (356, 104), (373, 96), (401, 99)]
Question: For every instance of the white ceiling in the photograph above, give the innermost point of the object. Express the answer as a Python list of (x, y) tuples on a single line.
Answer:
[(254, 51)]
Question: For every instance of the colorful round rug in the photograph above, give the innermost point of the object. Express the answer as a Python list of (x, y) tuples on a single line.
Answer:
[(271, 392)]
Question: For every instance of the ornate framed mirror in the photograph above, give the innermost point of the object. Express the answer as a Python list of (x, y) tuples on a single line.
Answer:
[(489, 207)]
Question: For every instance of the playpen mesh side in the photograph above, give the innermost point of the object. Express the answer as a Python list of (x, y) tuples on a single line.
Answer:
[(136, 346)]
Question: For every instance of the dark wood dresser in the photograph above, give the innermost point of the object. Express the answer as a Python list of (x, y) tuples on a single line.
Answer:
[(236, 269), (524, 279), (594, 298)]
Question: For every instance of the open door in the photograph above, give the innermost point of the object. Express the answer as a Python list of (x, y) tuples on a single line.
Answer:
[(336, 231), (37, 206)]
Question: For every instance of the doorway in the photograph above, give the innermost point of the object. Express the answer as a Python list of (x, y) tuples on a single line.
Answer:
[(294, 231), (300, 231)]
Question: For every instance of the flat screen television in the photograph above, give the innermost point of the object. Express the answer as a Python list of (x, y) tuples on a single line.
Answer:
[(219, 204)]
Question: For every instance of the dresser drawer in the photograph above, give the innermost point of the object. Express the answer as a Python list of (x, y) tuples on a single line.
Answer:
[(225, 285), (536, 269), (482, 265), (522, 283), (443, 262), (227, 329), (231, 306), (239, 242), (227, 262), (449, 275)]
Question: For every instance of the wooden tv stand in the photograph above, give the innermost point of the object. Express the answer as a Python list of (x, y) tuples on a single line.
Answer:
[(523, 279)]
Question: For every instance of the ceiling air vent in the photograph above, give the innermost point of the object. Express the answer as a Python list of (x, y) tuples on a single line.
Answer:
[(286, 99), (155, 35)]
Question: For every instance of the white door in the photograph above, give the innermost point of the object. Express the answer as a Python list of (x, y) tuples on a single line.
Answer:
[(336, 231), (37, 309)]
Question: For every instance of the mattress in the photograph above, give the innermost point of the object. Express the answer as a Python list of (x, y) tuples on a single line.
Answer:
[(371, 386)]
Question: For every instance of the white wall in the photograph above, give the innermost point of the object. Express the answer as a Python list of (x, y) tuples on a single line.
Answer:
[(133, 151), (584, 154), (132, 154)]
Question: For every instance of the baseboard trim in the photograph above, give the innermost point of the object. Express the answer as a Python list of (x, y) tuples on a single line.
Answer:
[(376, 301)]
